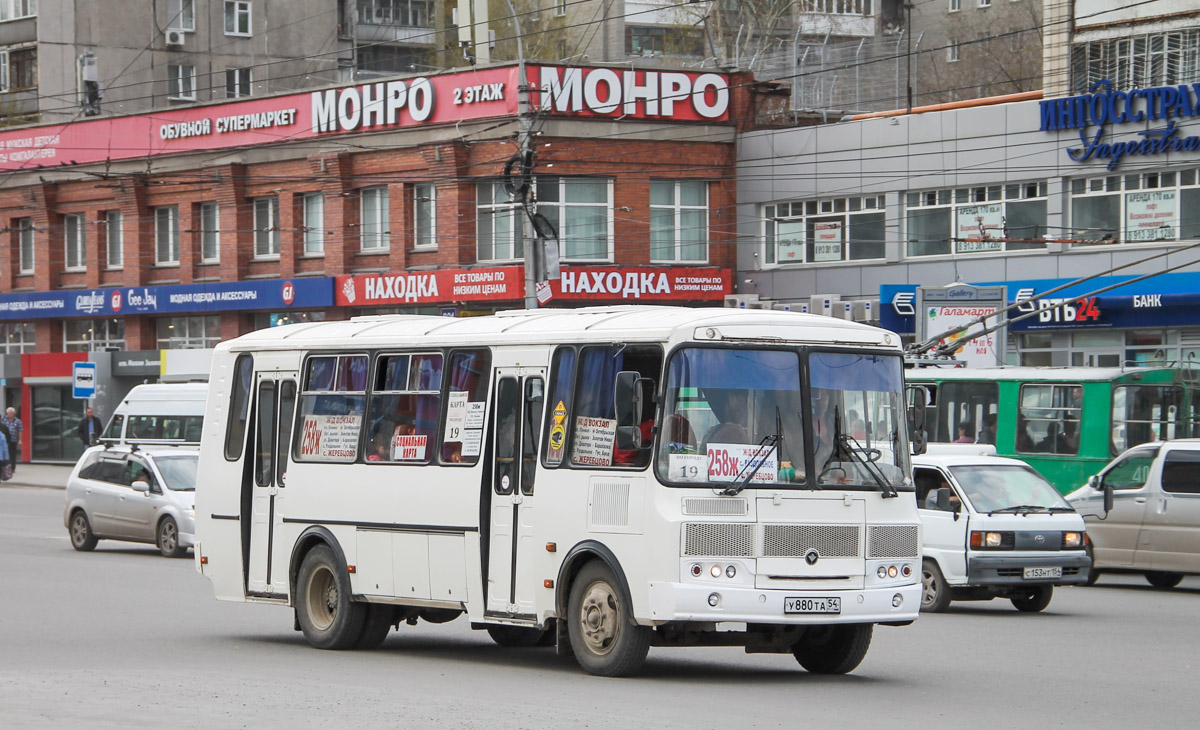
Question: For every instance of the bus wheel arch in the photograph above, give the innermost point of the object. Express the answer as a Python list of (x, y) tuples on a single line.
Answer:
[(309, 539), (576, 558)]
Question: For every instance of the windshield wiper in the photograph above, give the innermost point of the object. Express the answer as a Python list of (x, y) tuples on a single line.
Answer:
[(851, 446), (1017, 508), (771, 442)]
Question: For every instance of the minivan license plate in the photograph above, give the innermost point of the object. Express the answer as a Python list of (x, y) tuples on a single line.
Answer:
[(812, 605), (1037, 573)]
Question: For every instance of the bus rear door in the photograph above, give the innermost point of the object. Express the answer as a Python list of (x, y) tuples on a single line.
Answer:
[(518, 413)]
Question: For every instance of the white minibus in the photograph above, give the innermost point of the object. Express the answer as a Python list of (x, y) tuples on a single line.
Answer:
[(158, 413), (603, 479)]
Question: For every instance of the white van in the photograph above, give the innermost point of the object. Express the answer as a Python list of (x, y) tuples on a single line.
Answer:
[(1143, 512), (158, 413), (992, 527)]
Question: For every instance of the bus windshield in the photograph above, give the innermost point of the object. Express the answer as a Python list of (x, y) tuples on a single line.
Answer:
[(737, 417)]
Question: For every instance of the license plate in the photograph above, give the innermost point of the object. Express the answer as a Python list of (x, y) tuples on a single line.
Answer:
[(1039, 573), (812, 605)]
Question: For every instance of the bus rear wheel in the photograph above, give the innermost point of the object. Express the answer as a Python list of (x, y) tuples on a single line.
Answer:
[(836, 649), (604, 638), (328, 616)]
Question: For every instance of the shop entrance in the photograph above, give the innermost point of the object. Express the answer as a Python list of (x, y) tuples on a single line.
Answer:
[(53, 421)]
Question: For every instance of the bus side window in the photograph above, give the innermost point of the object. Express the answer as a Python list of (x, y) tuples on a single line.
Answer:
[(595, 426), (405, 405), (331, 408), (561, 400), (239, 407), (463, 429)]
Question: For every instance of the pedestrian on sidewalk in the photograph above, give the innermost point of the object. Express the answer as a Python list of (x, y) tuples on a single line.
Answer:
[(14, 427), (89, 428), (6, 471)]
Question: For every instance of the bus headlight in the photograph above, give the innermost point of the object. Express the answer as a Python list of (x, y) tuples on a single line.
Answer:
[(1072, 539)]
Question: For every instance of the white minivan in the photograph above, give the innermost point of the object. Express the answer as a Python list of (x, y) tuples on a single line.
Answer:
[(994, 528), (1143, 512), (158, 413)]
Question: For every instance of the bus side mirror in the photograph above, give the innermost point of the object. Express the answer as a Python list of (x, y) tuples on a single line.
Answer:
[(627, 398), (918, 401)]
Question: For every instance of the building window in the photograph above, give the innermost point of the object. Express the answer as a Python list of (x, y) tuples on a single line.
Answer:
[(237, 82), (314, 224), (1136, 208), (16, 337), (953, 51), (644, 41), (93, 335), (17, 9), (237, 17), (181, 15), (373, 225), (266, 227), (24, 228), (678, 220), (813, 231), (18, 69), (409, 13), (210, 232), (560, 7), (580, 209), (980, 219), (189, 333), (75, 238), (955, 6), (181, 82), (985, 3), (166, 234), (114, 239), (496, 224), (424, 215), (1140, 61), (387, 59)]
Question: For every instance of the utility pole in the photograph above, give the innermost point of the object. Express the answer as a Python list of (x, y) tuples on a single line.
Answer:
[(908, 7), (529, 239)]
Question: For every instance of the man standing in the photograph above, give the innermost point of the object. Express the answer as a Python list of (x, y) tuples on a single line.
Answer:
[(89, 428), (15, 427)]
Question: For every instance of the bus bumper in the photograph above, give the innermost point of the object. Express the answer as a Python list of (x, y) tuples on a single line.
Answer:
[(680, 602)]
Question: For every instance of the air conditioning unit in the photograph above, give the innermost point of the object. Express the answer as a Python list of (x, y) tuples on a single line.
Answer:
[(866, 310), (176, 38), (825, 304), (740, 301)]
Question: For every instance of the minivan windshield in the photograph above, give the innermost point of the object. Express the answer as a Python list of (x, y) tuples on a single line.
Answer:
[(179, 472), (1014, 488), (738, 416)]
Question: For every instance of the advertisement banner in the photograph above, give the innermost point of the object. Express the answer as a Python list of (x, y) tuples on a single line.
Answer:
[(979, 228), (172, 299), (650, 283), (398, 103), (1151, 216), (977, 352), (505, 283), (828, 239)]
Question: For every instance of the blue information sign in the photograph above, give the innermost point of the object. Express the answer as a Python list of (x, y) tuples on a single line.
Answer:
[(83, 376)]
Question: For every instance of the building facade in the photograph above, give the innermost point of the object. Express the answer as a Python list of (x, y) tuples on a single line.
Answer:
[(208, 222)]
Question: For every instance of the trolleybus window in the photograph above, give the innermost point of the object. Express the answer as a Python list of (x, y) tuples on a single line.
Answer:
[(1048, 419), (239, 407), (405, 404), (466, 404), (1144, 413), (331, 408), (963, 411)]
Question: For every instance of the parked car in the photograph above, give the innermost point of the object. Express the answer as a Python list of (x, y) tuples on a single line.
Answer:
[(992, 527), (167, 413), (1143, 512), (135, 494)]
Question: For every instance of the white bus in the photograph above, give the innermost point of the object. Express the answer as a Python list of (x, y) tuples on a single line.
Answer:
[(601, 479)]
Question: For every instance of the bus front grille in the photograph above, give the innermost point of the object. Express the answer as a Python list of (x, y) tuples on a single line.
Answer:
[(893, 541), (794, 541), (721, 539)]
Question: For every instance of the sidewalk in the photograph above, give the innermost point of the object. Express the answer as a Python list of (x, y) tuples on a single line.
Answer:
[(52, 476)]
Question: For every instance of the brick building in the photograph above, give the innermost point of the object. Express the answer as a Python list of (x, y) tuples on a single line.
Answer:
[(133, 240)]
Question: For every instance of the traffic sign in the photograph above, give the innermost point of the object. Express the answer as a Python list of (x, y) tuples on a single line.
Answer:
[(83, 376)]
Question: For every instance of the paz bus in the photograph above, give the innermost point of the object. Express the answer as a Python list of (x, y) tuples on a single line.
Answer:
[(601, 479), (1067, 423)]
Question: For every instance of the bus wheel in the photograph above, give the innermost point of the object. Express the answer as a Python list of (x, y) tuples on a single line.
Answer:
[(836, 649), (603, 636), (167, 539), (82, 537), (935, 594), (376, 626), (1034, 600), (516, 636), (328, 618), (1160, 579)]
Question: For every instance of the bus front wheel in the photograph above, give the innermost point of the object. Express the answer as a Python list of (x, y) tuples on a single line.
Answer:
[(328, 616), (836, 649), (603, 636)]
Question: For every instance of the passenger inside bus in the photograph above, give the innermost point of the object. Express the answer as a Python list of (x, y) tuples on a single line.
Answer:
[(1024, 440), (964, 433), (1068, 440), (731, 407), (988, 434)]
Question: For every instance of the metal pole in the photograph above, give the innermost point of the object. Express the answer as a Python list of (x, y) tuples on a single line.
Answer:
[(529, 239), (908, 6)]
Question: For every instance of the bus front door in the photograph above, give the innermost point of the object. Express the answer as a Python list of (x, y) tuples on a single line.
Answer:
[(274, 407), (518, 413)]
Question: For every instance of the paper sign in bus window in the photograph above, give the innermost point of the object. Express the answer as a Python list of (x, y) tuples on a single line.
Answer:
[(471, 441), (474, 416), (456, 415), (730, 462), (593, 444), (330, 438), (687, 468), (409, 448)]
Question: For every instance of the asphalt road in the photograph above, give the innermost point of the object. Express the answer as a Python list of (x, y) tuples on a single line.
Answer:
[(123, 638)]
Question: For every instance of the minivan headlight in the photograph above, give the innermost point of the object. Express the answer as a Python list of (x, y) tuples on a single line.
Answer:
[(1072, 539)]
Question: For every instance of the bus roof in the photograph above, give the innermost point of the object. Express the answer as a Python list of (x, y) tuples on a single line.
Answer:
[(591, 324), (1027, 374)]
